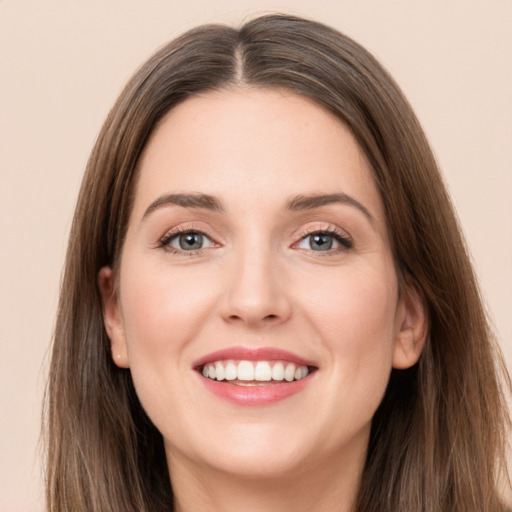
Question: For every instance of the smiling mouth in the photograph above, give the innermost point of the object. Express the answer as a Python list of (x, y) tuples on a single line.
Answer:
[(254, 373)]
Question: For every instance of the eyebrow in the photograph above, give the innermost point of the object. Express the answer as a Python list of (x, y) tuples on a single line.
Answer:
[(310, 202), (295, 203), (195, 200)]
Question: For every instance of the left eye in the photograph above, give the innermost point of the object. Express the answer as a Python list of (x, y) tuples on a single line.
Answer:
[(189, 241), (322, 242)]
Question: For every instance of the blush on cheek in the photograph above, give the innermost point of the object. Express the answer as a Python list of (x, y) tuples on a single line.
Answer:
[(165, 310), (358, 307)]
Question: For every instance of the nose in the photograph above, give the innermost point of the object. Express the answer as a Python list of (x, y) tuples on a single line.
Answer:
[(256, 292)]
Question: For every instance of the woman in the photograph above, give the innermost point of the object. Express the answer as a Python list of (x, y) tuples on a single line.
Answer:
[(267, 303)]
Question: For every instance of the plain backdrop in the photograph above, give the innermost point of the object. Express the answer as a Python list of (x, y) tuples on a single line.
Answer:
[(62, 64)]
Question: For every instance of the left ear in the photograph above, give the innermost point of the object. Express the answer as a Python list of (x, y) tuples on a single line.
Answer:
[(412, 327)]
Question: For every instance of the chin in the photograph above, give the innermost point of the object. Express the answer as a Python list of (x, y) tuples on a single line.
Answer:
[(252, 451), (256, 451)]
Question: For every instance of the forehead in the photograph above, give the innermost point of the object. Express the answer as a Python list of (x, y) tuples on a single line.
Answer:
[(250, 143)]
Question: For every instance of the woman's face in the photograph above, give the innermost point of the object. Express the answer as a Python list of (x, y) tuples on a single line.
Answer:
[(257, 249)]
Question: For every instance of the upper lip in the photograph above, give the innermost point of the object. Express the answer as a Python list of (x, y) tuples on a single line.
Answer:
[(252, 354)]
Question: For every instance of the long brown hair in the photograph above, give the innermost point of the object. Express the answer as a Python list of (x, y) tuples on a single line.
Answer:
[(437, 440)]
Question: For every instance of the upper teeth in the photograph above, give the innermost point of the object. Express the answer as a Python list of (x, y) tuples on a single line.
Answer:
[(254, 370)]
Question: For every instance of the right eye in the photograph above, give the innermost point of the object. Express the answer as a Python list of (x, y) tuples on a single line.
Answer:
[(187, 241)]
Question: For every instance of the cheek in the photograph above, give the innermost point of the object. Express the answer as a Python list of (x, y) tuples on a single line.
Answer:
[(163, 310), (356, 304), (354, 319)]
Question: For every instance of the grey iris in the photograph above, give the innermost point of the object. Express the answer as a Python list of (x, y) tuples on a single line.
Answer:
[(191, 241), (320, 242)]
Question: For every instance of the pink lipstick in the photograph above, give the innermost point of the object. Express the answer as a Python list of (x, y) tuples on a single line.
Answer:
[(256, 377)]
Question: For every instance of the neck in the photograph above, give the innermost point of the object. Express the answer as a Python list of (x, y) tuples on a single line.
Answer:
[(322, 488)]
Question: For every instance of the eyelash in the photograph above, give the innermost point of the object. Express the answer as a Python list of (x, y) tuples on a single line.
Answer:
[(165, 241), (346, 242)]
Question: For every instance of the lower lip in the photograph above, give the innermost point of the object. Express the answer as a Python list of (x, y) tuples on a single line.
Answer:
[(257, 395)]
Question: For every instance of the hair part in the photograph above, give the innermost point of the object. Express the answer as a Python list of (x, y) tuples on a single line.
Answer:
[(437, 440)]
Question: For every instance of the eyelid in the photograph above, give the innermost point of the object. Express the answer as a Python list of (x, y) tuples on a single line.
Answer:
[(344, 239), (164, 241)]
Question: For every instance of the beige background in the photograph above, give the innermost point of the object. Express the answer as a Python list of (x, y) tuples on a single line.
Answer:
[(62, 64)]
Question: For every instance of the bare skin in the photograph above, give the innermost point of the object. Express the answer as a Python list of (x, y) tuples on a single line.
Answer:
[(229, 245)]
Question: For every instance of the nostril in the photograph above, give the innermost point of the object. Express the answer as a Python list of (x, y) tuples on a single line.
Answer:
[(267, 317)]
